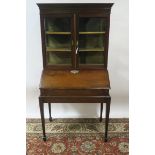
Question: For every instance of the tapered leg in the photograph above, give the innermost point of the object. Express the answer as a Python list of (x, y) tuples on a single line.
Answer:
[(107, 119), (42, 119), (49, 107), (101, 112)]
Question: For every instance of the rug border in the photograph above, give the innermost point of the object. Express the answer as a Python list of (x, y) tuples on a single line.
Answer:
[(78, 120)]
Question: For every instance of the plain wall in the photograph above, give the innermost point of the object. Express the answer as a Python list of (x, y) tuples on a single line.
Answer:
[(117, 65)]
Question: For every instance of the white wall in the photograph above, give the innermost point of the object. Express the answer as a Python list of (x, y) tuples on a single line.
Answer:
[(118, 65)]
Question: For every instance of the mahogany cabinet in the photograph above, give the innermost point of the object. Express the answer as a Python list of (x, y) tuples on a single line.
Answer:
[(75, 40)]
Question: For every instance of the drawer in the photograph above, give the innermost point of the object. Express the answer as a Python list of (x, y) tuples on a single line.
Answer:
[(74, 99), (74, 92)]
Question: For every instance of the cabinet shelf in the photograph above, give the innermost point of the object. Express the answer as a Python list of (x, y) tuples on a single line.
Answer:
[(92, 32), (49, 49), (90, 49), (60, 33)]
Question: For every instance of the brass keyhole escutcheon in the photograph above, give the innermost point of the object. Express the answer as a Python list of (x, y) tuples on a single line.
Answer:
[(74, 71)]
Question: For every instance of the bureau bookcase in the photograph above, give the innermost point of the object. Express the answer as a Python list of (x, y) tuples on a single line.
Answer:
[(75, 39)]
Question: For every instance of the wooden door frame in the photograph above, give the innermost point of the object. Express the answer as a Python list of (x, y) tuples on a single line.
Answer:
[(105, 54), (43, 36)]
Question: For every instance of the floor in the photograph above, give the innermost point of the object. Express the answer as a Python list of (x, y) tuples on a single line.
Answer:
[(77, 137)]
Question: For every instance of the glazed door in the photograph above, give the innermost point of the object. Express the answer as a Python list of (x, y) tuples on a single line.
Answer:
[(91, 41), (59, 40), (75, 40)]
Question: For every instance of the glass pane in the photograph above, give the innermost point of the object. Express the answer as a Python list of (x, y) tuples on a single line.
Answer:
[(59, 58), (58, 40), (91, 40), (91, 57), (58, 24), (92, 24)]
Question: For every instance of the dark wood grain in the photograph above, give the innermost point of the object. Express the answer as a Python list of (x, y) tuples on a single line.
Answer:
[(85, 79), (91, 84), (73, 92), (41, 105), (101, 110), (74, 99), (107, 119), (74, 6), (49, 108)]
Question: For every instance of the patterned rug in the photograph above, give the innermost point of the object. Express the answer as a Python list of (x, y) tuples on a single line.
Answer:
[(77, 137)]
